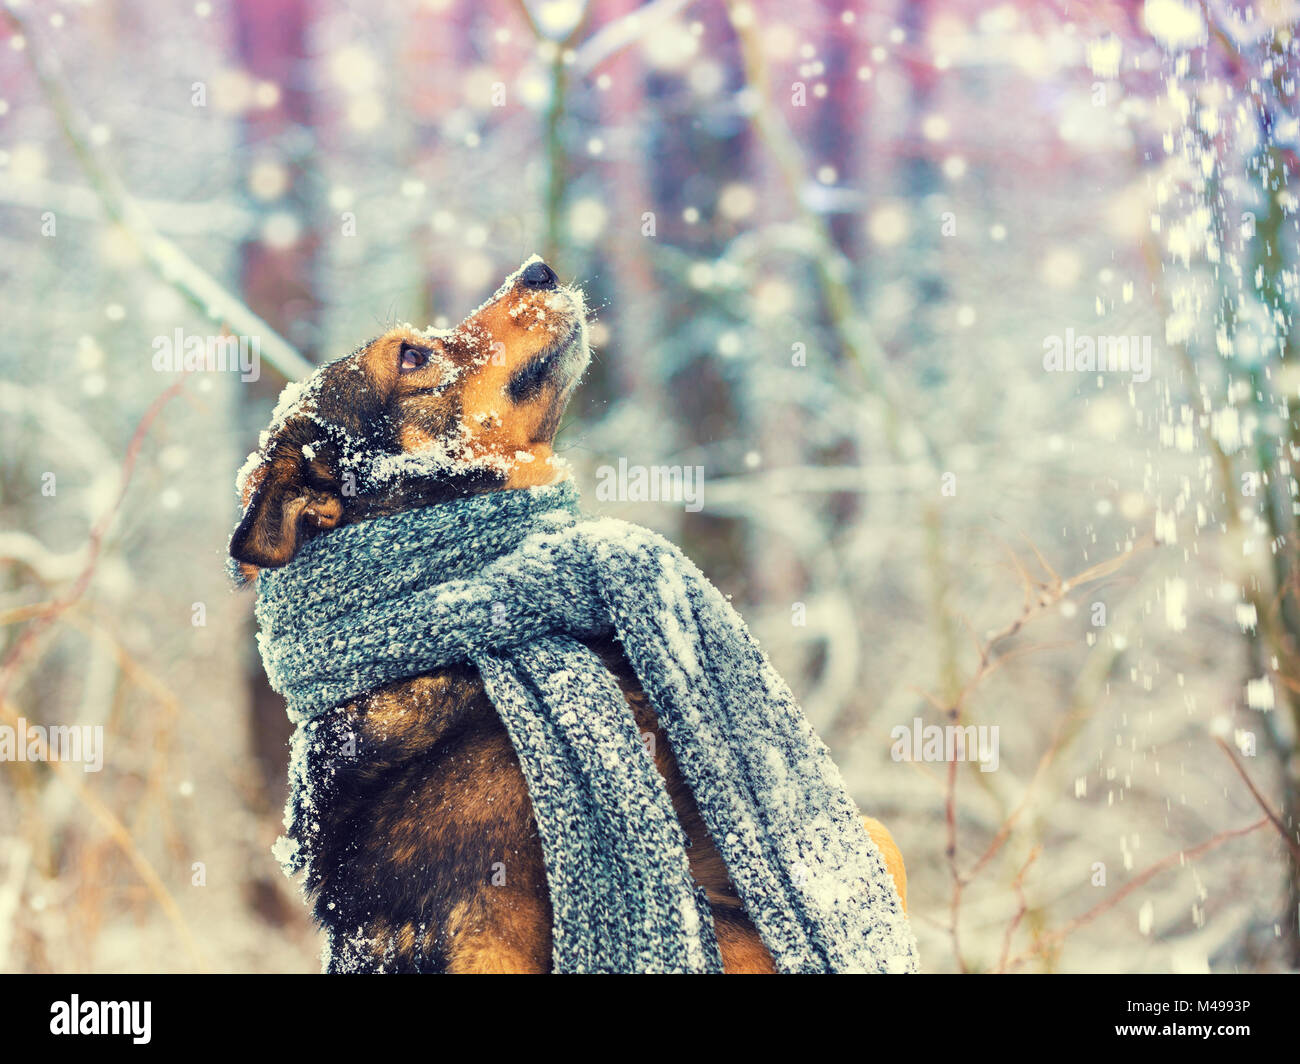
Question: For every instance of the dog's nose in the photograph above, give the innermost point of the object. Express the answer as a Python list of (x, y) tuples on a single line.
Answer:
[(539, 275)]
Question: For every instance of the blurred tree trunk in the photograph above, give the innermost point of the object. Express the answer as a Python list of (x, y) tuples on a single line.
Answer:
[(434, 63), (921, 179), (1268, 250), (1272, 265), (843, 125), (278, 283), (638, 298)]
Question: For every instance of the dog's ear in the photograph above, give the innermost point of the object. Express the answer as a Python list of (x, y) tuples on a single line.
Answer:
[(288, 501)]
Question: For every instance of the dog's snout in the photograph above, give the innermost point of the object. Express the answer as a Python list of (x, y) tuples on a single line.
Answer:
[(539, 275)]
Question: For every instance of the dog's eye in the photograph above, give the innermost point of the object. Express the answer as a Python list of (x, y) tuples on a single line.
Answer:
[(412, 357)]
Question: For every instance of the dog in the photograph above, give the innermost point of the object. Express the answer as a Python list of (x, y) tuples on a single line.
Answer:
[(417, 799)]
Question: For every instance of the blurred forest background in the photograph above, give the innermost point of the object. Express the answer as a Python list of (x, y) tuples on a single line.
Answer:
[(829, 244)]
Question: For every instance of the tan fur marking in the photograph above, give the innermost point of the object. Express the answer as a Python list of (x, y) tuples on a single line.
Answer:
[(496, 933), (743, 952), (890, 852)]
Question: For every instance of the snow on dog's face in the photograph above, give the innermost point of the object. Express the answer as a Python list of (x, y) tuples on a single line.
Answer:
[(418, 417)]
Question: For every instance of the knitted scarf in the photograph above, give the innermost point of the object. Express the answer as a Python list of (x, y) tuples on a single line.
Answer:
[(511, 581)]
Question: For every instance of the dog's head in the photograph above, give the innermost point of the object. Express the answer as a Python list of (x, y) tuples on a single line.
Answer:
[(417, 417)]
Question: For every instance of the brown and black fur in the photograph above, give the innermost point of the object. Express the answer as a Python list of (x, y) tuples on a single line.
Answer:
[(422, 851)]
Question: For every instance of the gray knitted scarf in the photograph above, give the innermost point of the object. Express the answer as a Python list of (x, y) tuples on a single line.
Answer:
[(512, 581)]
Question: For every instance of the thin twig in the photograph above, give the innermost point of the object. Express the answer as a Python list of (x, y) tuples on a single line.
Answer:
[(9, 666), (1056, 937), (1259, 798), (1017, 885), (217, 303), (116, 830)]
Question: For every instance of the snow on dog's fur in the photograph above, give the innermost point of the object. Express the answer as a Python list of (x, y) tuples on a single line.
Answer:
[(417, 416), (415, 795)]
